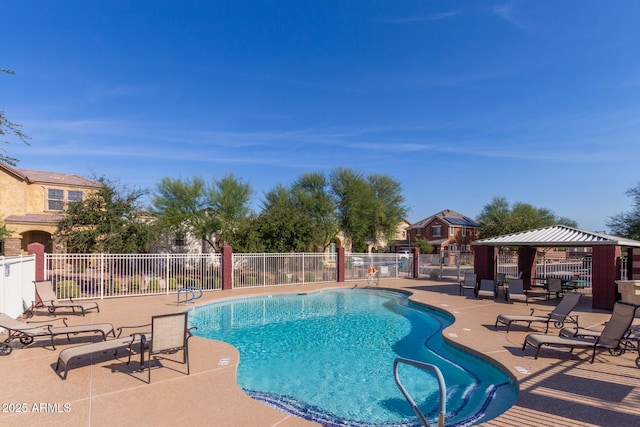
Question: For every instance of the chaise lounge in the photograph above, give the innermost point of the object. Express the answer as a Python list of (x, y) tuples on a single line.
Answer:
[(71, 353), (27, 332), (558, 316), (49, 299), (610, 338)]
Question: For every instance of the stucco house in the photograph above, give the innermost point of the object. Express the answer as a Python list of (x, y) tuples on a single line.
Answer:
[(446, 230), (32, 203)]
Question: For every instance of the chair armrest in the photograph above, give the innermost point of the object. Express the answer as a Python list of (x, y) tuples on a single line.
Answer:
[(122, 328), (189, 330), (64, 320)]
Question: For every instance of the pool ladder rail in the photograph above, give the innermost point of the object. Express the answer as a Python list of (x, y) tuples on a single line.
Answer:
[(192, 293), (443, 389)]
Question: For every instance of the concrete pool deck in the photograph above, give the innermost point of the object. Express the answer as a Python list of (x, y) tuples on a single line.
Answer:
[(557, 389)]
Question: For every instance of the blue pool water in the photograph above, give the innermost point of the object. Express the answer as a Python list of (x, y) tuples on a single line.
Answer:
[(328, 357)]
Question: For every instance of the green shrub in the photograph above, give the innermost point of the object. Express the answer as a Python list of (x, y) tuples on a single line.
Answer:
[(173, 284), (154, 285), (282, 278), (309, 277), (67, 289), (134, 285), (115, 287)]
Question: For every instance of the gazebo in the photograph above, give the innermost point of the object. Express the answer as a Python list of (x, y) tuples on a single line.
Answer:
[(606, 252)]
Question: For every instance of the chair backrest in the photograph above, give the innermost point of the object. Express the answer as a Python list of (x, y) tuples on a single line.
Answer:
[(44, 290), (516, 286), (554, 284), (565, 306), (7, 322), (618, 325), (168, 332), (487, 285), (470, 279)]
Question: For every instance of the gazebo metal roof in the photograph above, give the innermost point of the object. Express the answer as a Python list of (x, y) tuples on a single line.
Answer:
[(557, 236)]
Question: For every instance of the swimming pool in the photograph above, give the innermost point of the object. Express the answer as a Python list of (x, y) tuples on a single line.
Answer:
[(328, 356)]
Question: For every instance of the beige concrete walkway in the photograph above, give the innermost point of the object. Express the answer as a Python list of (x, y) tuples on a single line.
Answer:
[(558, 389)]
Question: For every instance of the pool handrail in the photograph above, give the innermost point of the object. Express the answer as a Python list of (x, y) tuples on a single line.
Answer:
[(441, 385)]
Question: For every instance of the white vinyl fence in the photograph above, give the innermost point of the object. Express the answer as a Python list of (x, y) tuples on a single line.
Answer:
[(16, 284)]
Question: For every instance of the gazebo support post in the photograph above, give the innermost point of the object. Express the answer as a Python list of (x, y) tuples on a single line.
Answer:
[(484, 264), (604, 273), (527, 262)]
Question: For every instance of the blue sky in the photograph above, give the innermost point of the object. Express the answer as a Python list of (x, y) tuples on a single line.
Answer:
[(460, 101)]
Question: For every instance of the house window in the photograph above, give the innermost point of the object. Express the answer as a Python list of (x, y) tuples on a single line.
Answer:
[(418, 232), (464, 231), (74, 196), (436, 231), (180, 237), (452, 231), (55, 199)]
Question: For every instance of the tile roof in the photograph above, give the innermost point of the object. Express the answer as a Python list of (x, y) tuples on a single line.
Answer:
[(448, 216), (45, 177)]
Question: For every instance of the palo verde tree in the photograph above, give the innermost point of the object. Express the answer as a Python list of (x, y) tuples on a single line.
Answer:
[(228, 200), (8, 129), (499, 217), (213, 213), (109, 220), (627, 224)]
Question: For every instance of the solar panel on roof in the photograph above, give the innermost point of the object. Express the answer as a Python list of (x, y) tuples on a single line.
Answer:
[(460, 221)]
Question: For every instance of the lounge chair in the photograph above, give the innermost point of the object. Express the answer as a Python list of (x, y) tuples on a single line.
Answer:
[(470, 281), (610, 338), (120, 342), (170, 333), (558, 316), (487, 289), (26, 332), (49, 299), (516, 291)]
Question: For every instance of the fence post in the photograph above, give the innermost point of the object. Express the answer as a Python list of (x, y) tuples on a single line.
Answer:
[(227, 267), (340, 264), (37, 249)]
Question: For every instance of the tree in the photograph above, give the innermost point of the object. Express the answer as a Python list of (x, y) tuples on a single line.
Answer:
[(424, 245), (4, 232), (212, 213), (283, 225), (228, 200), (8, 128), (108, 220), (180, 206), (312, 194), (498, 218), (367, 210), (627, 224)]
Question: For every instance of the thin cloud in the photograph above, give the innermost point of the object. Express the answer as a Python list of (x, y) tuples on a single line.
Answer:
[(510, 14)]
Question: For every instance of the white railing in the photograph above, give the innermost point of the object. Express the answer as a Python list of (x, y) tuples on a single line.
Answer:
[(109, 275), (267, 269), (17, 290), (388, 266), (567, 269)]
